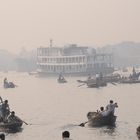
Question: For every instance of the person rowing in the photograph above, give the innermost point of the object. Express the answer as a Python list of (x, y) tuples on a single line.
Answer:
[(12, 118)]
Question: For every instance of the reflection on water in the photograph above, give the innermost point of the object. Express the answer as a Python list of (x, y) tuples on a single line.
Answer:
[(110, 130)]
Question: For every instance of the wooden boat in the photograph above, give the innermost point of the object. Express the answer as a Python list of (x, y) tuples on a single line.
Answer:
[(11, 126), (61, 80), (95, 119), (9, 85), (95, 83)]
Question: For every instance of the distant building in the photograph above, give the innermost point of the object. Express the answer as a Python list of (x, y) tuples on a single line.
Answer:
[(73, 60)]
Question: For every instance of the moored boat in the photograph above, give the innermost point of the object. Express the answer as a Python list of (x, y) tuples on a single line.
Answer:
[(97, 120)]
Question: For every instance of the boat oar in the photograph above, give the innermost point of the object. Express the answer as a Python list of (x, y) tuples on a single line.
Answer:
[(25, 122), (82, 85), (83, 124), (113, 83)]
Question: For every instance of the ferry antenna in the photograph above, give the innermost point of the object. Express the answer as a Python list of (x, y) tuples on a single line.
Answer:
[(51, 41)]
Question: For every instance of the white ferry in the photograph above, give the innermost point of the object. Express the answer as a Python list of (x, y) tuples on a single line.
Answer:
[(73, 60)]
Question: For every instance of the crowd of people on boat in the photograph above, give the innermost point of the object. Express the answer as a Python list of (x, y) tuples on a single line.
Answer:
[(7, 116)]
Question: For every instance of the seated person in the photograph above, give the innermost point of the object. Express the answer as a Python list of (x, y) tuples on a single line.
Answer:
[(103, 112), (13, 118)]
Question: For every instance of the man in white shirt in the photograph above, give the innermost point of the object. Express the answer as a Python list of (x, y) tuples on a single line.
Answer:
[(103, 112), (110, 108)]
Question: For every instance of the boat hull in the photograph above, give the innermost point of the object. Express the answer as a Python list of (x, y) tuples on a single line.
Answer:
[(11, 126), (96, 84), (99, 120), (9, 85), (61, 81)]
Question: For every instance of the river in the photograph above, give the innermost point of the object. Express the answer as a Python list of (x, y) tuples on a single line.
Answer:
[(51, 108)]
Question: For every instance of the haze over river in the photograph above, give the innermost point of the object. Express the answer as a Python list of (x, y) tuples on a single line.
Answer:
[(52, 108)]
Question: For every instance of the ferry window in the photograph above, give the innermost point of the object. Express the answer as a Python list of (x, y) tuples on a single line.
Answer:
[(73, 59)]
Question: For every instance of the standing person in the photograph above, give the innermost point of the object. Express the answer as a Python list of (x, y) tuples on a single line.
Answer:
[(2, 136), (5, 110), (110, 108), (5, 80), (66, 135)]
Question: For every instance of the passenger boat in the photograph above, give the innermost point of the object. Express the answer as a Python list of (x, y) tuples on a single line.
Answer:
[(72, 60), (13, 126), (96, 120)]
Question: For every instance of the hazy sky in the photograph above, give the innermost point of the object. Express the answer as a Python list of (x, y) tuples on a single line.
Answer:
[(31, 23)]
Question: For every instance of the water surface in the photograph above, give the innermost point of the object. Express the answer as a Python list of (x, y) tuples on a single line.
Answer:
[(52, 108)]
